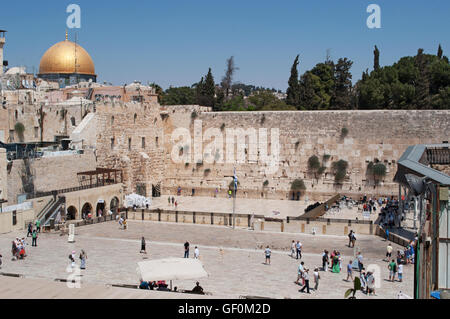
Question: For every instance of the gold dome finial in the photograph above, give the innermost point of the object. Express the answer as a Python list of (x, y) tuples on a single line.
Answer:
[(67, 36)]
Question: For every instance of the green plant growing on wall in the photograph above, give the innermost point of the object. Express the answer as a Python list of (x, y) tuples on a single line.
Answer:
[(207, 171), (266, 183), (20, 129), (326, 157), (377, 171), (314, 165), (298, 185), (194, 115), (222, 127), (340, 170), (344, 132)]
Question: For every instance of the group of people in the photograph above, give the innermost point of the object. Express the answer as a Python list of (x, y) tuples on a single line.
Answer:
[(304, 275), (172, 201), (82, 257), (18, 248), (122, 223), (186, 251), (296, 249)]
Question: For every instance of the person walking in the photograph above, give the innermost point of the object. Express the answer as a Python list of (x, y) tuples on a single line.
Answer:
[(349, 270), (306, 278), (268, 252), (30, 229), (83, 257), (293, 249), (72, 259), (143, 251), (34, 237), (353, 239), (196, 253), (186, 249), (316, 279)]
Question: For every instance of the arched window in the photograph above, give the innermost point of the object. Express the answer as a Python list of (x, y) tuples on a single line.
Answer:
[(135, 118), (112, 120), (72, 120)]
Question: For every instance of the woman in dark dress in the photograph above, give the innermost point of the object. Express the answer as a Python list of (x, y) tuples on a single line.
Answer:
[(143, 251)]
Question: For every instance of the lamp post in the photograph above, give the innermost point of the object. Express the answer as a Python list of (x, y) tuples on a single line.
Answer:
[(235, 181)]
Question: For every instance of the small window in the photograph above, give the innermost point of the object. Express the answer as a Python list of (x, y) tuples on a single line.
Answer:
[(16, 114), (157, 141), (72, 120), (112, 120), (135, 118), (129, 143), (36, 132), (112, 143), (143, 142), (14, 218), (11, 135)]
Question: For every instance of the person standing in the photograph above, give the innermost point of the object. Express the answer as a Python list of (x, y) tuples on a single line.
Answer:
[(1, 261), (350, 238), (293, 249), (360, 261), (143, 251), (83, 257), (353, 239), (38, 226), (34, 238), (400, 272), (349, 270), (325, 260), (186, 249), (72, 259), (30, 229), (168, 199), (306, 278), (298, 247), (389, 252), (268, 252), (196, 253), (176, 205), (392, 270), (300, 273), (316, 279)]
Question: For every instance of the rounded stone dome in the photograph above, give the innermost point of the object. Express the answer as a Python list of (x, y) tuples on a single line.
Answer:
[(61, 59)]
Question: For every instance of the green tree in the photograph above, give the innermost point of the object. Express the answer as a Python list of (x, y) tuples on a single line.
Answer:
[(422, 98), (342, 99), (179, 96), (20, 129), (340, 170), (227, 80), (314, 165), (376, 59), (293, 90), (440, 52), (298, 185)]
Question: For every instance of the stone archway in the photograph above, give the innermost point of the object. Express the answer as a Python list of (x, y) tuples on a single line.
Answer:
[(71, 213), (86, 210), (114, 205)]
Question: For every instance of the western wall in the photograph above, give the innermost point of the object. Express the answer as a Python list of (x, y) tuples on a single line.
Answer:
[(382, 135)]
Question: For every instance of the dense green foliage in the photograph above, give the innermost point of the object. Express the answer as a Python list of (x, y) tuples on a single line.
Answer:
[(298, 185), (417, 82)]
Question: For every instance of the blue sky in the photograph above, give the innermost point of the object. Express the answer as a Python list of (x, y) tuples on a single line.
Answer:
[(174, 42)]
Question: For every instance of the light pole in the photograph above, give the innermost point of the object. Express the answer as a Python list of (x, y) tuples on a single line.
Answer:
[(235, 181)]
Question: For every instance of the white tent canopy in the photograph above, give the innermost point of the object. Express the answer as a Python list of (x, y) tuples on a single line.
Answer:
[(171, 269)]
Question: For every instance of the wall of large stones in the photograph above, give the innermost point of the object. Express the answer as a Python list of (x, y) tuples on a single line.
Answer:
[(130, 137), (382, 135), (49, 173)]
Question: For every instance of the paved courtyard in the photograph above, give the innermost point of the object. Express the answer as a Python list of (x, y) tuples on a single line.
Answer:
[(234, 259), (266, 207)]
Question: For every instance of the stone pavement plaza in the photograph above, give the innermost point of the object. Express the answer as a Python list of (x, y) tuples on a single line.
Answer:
[(267, 207), (234, 259)]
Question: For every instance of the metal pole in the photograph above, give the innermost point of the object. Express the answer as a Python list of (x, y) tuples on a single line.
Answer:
[(234, 205)]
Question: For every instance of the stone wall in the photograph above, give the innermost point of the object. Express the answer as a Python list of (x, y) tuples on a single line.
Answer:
[(382, 135), (49, 173)]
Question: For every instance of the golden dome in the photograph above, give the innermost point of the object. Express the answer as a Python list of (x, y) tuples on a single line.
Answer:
[(60, 59)]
